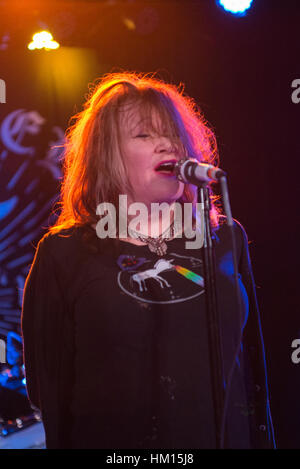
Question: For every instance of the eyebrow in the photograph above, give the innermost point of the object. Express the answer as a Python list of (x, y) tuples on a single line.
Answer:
[(139, 126), (137, 122)]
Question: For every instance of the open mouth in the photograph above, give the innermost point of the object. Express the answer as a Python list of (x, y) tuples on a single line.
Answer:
[(166, 167)]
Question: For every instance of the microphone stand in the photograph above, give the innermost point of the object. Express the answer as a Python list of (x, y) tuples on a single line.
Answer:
[(213, 320), (188, 170)]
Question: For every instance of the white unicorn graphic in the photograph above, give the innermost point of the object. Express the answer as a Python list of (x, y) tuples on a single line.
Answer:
[(160, 266)]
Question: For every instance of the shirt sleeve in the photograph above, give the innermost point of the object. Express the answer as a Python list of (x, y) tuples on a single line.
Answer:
[(33, 289), (45, 344), (254, 349)]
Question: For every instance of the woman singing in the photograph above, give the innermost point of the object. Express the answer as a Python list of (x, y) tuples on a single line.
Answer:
[(116, 348)]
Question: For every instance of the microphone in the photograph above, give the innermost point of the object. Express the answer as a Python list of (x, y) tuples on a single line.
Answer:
[(191, 171)]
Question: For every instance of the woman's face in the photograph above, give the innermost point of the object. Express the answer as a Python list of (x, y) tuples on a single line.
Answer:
[(143, 151)]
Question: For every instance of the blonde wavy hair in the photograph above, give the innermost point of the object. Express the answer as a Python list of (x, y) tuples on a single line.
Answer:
[(93, 167)]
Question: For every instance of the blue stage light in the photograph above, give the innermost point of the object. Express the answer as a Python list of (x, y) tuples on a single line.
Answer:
[(237, 7)]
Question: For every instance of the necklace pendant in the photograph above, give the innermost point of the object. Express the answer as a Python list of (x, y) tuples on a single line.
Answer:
[(157, 245), (160, 248)]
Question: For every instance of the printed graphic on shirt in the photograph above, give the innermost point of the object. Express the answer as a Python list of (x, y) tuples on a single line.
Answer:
[(171, 279)]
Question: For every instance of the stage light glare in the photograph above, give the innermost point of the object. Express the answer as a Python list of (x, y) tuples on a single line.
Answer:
[(43, 36), (43, 40), (237, 7)]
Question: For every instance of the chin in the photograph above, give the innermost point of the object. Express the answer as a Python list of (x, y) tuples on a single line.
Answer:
[(168, 198), (169, 192)]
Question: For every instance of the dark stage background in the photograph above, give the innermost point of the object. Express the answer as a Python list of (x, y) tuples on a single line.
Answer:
[(239, 69)]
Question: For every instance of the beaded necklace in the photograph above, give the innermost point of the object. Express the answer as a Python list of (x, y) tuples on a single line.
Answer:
[(158, 244)]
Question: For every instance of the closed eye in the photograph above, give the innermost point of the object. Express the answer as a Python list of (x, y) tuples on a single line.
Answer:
[(142, 136)]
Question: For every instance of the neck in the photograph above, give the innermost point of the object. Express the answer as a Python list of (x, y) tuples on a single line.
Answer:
[(151, 222)]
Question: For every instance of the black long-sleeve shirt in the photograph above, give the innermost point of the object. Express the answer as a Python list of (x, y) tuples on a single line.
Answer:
[(116, 348)]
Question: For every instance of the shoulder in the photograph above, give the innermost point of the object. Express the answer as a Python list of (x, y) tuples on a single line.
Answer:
[(62, 243), (61, 254), (223, 231)]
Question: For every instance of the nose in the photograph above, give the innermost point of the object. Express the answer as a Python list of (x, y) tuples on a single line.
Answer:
[(164, 145)]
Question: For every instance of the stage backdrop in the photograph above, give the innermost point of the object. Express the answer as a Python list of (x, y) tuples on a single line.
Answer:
[(33, 122)]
